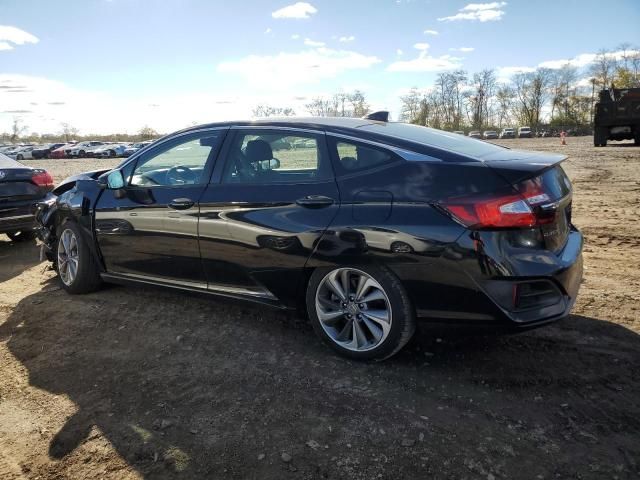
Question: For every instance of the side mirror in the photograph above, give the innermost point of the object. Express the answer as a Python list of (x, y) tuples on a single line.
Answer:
[(115, 180)]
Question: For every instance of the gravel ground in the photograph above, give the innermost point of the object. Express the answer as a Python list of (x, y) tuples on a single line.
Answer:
[(147, 383)]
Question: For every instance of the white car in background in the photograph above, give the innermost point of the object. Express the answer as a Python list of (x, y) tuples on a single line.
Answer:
[(108, 150), (525, 132), (80, 149), (22, 153)]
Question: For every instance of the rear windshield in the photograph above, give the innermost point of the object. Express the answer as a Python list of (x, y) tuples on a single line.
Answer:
[(451, 142)]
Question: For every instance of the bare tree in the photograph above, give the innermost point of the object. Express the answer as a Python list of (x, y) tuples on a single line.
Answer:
[(532, 93), (410, 105), (603, 68), (147, 133), (479, 100), (505, 101), (269, 111), (17, 129), (68, 131), (561, 81), (358, 102)]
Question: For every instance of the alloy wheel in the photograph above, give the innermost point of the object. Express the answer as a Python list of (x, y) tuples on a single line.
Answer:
[(68, 257), (353, 309)]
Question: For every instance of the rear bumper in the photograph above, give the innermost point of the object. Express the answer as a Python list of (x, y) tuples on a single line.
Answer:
[(17, 216), (559, 286)]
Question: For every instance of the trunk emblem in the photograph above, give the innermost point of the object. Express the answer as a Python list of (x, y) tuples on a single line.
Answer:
[(2, 174)]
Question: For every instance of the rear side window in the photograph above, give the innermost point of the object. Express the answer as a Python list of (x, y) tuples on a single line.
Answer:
[(356, 156)]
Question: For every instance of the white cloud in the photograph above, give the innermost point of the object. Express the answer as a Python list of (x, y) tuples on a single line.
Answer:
[(430, 32), (585, 59), (462, 49), (283, 70), (399, 51), (312, 43), (482, 12), (421, 46), (295, 36), (504, 74), (267, 31), (297, 10), (425, 63), (350, 38), (43, 104), (10, 36)]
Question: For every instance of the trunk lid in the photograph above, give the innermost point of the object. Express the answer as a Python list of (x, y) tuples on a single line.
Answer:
[(16, 182), (543, 174)]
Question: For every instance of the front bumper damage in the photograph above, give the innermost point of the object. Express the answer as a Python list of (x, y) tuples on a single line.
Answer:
[(44, 213)]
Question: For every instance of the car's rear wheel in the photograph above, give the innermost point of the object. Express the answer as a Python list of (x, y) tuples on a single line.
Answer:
[(21, 235), (19, 157), (112, 153), (362, 313), (75, 264)]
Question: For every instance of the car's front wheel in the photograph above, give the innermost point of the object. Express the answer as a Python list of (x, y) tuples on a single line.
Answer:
[(361, 312), (75, 264)]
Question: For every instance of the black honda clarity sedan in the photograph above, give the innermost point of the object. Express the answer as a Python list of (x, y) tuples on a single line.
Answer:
[(366, 224)]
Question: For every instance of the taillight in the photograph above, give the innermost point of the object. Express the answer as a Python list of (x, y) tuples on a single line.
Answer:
[(42, 178), (516, 209)]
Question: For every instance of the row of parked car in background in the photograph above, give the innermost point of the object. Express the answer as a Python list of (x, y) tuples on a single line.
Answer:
[(91, 149), (521, 132)]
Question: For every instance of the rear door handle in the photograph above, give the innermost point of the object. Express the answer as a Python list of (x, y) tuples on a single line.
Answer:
[(315, 201), (181, 203)]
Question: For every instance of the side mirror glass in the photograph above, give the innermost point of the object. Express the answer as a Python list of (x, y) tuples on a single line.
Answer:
[(115, 181)]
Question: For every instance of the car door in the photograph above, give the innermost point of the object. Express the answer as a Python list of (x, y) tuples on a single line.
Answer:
[(149, 229), (267, 207)]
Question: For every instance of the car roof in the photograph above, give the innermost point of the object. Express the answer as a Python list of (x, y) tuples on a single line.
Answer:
[(419, 139)]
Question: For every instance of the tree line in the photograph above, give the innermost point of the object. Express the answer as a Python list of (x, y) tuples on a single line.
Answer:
[(69, 133), (560, 97)]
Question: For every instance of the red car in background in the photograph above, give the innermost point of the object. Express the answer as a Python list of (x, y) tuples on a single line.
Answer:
[(60, 152)]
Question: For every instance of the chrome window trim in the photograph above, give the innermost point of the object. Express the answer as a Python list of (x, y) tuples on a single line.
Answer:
[(278, 127)]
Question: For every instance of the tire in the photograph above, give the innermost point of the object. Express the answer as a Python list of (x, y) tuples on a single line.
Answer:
[(19, 157), (21, 235), (77, 254), (81, 153), (600, 137), (373, 337), (112, 153)]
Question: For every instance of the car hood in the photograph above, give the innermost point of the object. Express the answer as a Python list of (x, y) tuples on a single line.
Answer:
[(92, 175)]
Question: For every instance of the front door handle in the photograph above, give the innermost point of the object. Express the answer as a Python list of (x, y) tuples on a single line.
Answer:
[(315, 201), (181, 203)]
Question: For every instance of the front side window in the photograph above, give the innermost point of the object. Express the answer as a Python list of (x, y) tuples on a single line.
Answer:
[(276, 157), (177, 163)]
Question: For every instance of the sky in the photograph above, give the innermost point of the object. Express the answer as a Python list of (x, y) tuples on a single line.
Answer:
[(117, 65)]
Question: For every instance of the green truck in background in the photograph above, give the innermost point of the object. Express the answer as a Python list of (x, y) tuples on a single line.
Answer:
[(617, 116)]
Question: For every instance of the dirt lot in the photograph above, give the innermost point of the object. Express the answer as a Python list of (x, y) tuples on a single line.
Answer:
[(132, 382)]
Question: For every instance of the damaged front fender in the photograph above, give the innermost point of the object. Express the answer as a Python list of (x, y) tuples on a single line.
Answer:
[(73, 203)]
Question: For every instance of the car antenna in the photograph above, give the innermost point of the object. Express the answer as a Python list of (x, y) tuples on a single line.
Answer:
[(380, 116)]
